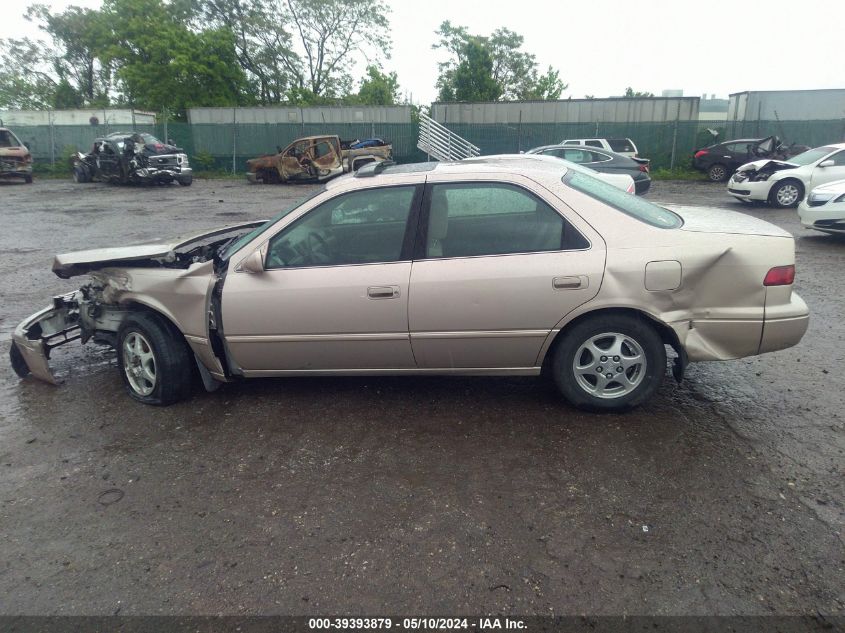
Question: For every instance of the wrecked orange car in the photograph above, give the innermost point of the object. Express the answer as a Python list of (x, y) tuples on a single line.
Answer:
[(316, 159), (15, 159)]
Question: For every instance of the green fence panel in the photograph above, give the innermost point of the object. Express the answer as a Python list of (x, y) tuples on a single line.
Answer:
[(227, 146)]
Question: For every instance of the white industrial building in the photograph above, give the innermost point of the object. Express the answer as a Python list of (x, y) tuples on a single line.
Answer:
[(82, 116)]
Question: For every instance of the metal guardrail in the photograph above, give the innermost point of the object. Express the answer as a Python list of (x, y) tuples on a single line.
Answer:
[(441, 143)]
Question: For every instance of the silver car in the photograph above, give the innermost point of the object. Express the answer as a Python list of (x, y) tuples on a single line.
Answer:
[(501, 267)]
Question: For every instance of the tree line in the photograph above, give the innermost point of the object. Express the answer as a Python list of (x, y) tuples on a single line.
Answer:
[(171, 55)]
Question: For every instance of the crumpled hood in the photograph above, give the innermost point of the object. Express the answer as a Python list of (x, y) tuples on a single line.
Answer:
[(68, 265), (757, 165), (709, 220)]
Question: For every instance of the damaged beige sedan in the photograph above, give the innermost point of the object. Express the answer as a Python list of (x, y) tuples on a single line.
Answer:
[(482, 267)]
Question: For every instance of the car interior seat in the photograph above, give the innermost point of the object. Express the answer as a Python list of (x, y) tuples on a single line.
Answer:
[(438, 223)]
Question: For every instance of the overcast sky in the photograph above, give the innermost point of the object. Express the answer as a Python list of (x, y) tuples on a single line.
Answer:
[(603, 46)]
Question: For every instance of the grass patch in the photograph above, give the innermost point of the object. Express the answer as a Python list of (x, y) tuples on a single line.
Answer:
[(678, 173)]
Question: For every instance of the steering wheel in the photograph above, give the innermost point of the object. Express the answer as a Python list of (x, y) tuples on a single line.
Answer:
[(315, 243)]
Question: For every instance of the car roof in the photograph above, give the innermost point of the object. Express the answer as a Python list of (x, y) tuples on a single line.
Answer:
[(743, 140), (581, 149), (524, 164)]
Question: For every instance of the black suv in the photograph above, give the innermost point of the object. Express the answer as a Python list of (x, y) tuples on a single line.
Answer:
[(723, 159)]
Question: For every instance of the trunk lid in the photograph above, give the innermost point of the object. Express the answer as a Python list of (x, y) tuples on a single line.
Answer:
[(709, 220)]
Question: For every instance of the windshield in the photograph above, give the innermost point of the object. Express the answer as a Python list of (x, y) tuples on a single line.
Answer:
[(623, 201), (237, 245), (7, 139), (811, 155)]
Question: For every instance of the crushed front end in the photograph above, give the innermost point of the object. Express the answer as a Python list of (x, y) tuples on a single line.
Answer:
[(77, 316), (160, 168)]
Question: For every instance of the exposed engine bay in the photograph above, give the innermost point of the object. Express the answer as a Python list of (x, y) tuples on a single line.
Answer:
[(764, 172)]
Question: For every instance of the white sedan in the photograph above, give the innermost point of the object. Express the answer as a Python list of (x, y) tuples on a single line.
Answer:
[(824, 208), (783, 184)]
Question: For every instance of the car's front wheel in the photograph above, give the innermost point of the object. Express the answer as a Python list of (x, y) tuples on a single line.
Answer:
[(609, 363), (717, 173), (153, 359), (186, 181), (786, 194), (80, 174)]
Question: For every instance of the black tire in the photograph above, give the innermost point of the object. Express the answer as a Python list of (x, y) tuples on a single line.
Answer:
[(80, 174), (630, 333), (27, 179), (186, 181), (787, 193), (718, 173), (18, 363), (172, 364)]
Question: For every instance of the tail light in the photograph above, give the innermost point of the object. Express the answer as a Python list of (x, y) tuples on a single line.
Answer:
[(780, 276), (27, 159), (701, 152), (644, 167), (631, 188)]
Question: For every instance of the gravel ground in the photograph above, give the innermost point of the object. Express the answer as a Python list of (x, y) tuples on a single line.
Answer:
[(724, 495)]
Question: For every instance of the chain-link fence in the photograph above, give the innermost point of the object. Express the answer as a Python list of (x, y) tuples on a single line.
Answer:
[(228, 146)]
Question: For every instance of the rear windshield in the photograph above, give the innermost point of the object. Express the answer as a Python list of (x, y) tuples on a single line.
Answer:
[(621, 145), (623, 201)]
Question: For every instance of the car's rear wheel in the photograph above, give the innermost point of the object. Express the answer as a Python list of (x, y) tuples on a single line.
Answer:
[(717, 173), (787, 193), (186, 181), (609, 363), (27, 179), (154, 360)]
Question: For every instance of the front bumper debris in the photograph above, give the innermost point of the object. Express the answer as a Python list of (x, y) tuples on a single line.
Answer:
[(38, 335)]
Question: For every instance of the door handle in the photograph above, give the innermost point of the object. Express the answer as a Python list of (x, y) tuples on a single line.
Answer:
[(570, 283), (383, 292)]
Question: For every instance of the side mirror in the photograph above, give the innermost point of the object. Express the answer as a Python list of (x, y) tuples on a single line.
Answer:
[(827, 163), (254, 263)]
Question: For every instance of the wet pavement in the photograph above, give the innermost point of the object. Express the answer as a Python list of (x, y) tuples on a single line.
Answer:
[(410, 495)]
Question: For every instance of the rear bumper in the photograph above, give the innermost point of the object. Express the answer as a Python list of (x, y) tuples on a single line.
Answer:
[(642, 186), (785, 325), (725, 339)]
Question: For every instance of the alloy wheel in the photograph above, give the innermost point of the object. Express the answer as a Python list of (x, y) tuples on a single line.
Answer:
[(787, 195), (609, 365), (139, 363)]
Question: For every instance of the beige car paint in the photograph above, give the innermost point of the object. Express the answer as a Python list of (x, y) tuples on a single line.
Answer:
[(483, 315)]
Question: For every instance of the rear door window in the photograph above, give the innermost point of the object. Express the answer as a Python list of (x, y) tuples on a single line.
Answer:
[(593, 143), (472, 219)]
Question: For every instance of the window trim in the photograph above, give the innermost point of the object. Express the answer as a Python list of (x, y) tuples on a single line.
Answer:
[(422, 227), (408, 238)]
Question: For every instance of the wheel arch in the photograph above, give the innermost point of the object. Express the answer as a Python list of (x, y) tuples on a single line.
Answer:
[(666, 333), (158, 311)]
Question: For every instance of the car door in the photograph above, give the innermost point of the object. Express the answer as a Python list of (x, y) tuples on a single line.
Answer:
[(108, 159), (496, 268), (822, 175), (734, 155), (333, 295)]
